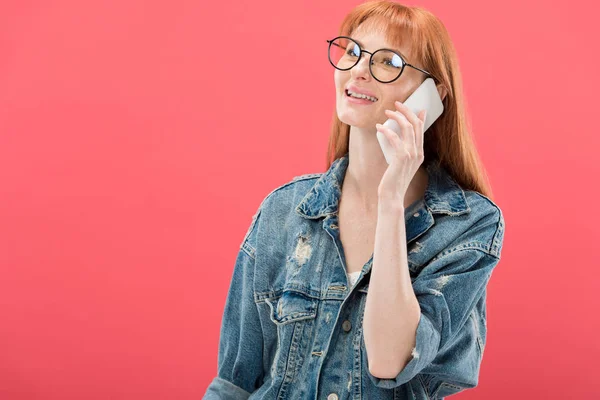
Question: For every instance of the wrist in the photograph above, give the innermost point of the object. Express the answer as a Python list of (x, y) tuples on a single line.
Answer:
[(391, 204)]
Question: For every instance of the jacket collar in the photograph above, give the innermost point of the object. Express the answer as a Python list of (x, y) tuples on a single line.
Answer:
[(443, 194)]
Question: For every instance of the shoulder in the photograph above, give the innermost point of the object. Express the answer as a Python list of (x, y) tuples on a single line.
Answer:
[(484, 225), (298, 185), (285, 196), (279, 203), (304, 177)]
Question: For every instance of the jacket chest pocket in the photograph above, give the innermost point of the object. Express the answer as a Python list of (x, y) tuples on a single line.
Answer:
[(294, 314), (292, 306)]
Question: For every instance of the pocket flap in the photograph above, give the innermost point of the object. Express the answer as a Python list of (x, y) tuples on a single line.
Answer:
[(292, 306)]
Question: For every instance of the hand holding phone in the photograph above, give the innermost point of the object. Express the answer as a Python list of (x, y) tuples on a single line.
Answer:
[(425, 97)]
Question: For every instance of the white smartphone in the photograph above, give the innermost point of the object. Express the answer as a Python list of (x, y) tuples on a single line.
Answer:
[(425, 97)]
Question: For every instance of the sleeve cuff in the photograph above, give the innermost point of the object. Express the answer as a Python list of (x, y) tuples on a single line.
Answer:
[(221, 389), (427, 342)]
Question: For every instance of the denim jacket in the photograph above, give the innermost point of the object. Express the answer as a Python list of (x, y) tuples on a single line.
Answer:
[(292, 325)]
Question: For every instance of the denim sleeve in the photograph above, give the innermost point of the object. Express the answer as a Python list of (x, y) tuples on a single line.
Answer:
[(240, 358), (451, 291)]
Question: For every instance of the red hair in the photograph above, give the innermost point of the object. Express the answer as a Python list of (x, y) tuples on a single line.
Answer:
[(448, 140)]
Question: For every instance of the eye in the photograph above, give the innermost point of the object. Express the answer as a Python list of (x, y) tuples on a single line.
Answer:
[(353, 50), (395, 61)]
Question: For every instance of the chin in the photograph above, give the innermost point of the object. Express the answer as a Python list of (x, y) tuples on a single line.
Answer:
[(357, 124), (350, 118)]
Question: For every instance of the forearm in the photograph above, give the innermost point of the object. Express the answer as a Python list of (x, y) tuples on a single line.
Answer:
[(391, 311)]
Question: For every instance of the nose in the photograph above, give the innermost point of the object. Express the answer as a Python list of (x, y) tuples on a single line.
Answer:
[(362, 68)]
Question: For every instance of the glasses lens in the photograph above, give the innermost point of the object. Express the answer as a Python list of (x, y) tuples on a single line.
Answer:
[(343, 53), (386, 65)]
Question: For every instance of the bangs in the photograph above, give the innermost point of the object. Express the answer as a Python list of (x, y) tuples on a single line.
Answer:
[(397, 27)]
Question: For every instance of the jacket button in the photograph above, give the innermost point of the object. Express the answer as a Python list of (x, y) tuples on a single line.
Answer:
[(332, 396), (346, 325)]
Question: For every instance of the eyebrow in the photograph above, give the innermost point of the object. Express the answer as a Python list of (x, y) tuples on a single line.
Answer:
[(397, 51)]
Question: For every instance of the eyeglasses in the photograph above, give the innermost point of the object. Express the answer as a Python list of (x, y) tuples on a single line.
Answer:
[(385, 65)]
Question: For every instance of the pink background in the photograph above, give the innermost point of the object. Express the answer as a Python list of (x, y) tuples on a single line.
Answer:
[(135, 146)]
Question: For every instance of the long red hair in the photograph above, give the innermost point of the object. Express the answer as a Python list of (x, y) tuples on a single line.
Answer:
[(448, 140)]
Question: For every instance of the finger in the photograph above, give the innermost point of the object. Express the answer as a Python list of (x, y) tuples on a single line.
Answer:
[(400, 148), (407, 112), (422, 115), (414, 133), (415, 121), (392, 137), (405, 125), (408, 132)]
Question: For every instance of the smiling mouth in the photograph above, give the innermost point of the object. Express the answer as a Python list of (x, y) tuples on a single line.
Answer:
[(358, 98)]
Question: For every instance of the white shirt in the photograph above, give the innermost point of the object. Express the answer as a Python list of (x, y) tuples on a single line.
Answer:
[(353, 276)]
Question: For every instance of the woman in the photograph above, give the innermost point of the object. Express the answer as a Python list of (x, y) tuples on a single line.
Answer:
[(368, 281)]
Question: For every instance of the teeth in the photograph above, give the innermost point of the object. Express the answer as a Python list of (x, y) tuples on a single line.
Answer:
[(362, 96)]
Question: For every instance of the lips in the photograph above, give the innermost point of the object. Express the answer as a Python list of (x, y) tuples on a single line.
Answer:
[(357, 98), (357, 90)]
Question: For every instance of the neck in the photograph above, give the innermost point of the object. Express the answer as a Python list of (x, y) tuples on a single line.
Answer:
[(366, 168)]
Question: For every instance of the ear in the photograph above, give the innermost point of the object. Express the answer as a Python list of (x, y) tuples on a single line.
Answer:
[(442, 91)]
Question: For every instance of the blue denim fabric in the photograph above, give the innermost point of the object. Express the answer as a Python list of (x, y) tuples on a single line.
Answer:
[(292, 326)]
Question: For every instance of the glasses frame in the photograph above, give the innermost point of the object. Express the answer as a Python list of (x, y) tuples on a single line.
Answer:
[(361, 51)]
